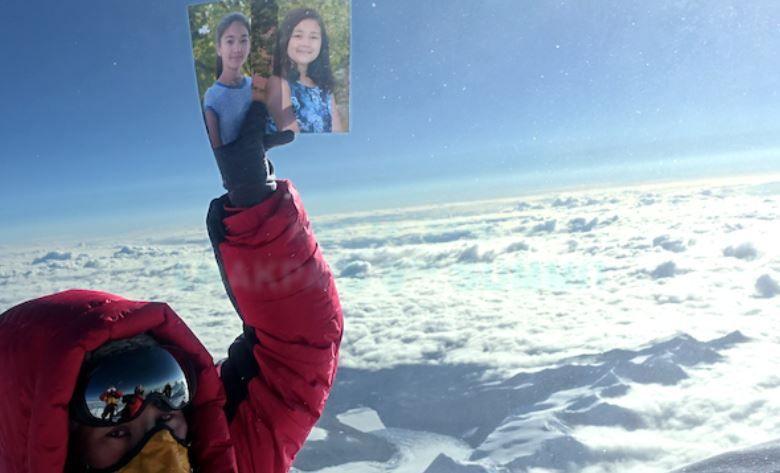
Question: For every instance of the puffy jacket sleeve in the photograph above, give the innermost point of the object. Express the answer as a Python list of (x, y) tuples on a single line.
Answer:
[(280, 370)]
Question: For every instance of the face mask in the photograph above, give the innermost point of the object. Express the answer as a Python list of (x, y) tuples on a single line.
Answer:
[(161, 453)]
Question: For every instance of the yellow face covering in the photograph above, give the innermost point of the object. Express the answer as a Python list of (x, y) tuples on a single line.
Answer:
[(161, 454)]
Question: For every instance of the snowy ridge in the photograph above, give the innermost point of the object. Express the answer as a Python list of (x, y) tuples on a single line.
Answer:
[(764, 458), (528, 420)]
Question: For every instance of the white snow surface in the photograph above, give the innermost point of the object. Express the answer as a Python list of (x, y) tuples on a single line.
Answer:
[(569, 331), (362, 419)]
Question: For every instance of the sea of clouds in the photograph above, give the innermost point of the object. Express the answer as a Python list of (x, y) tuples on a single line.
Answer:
[(603, 330)]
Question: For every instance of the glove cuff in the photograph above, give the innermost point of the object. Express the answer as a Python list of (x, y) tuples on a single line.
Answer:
[(244, 172)]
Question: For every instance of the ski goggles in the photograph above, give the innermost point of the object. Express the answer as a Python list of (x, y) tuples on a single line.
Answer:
[(118, 387)]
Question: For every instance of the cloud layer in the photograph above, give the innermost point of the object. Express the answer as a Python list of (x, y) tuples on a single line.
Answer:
[(515, 286)]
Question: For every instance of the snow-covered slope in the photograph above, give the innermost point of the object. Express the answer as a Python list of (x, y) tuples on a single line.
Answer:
[(529, 420), (764, 458)]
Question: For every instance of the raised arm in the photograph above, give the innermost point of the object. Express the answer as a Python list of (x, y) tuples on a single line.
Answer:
[(280, 370)]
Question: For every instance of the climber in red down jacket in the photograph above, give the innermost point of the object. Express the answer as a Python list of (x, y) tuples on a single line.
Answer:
[(252, 412)]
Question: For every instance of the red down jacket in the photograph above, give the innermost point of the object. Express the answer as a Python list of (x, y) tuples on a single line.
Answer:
[(273, 386)]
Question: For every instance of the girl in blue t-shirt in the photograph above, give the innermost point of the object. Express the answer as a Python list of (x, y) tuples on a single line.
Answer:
[(226, 102), (300, 91)]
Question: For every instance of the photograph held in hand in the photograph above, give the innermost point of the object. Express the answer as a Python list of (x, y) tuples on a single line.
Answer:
[(292, 56)]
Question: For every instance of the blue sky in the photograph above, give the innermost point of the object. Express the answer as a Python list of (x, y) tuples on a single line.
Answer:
[(451, 99)]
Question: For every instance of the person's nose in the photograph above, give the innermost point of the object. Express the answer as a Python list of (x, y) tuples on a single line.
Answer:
[(150, 417)]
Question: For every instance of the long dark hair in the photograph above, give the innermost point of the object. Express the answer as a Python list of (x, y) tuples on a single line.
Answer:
[(319, 70), (223, 25)]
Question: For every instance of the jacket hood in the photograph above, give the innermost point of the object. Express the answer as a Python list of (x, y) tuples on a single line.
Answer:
[(43, 343)]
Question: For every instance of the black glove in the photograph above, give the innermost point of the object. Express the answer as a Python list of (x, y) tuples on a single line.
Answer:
[(243, 164)]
